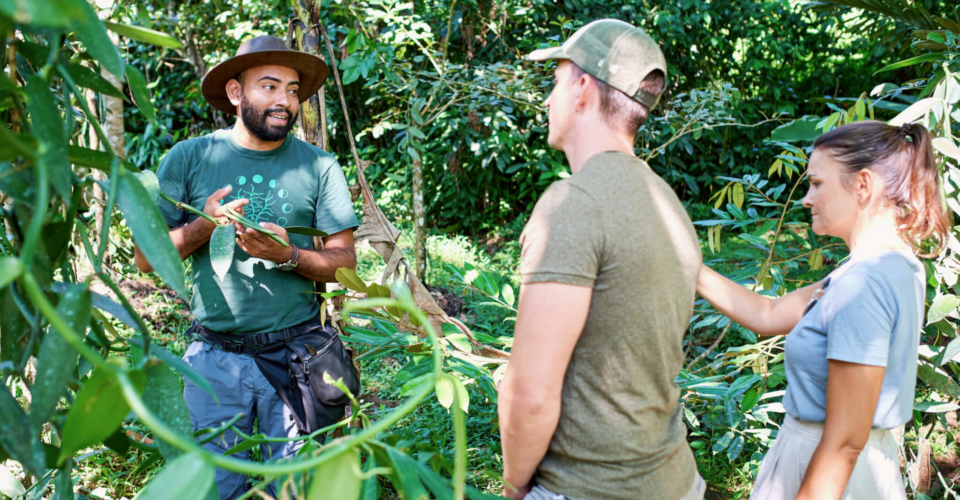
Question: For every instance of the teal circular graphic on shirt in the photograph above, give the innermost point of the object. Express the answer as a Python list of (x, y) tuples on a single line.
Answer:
[(241, 180), (282, 221), (273, 183), (286, 208), (257, 179), (283, 193)]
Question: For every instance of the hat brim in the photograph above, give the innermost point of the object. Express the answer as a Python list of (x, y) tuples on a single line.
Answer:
[(548, 54), (312, 71)]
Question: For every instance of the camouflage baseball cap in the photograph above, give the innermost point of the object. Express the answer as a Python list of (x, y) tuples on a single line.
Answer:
[(615, 52)]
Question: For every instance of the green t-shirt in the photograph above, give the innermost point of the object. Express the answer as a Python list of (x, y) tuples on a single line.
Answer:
[(617, 227), (296, 184)]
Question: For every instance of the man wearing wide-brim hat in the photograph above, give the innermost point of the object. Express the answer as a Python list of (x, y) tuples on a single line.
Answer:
[(259, 169)]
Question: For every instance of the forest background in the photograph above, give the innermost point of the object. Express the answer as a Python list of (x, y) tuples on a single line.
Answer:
[(448, 123)]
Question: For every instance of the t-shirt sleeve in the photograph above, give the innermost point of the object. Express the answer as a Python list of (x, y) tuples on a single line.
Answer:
[(860, 313), (334, 211), (563, 240), (173, 183)]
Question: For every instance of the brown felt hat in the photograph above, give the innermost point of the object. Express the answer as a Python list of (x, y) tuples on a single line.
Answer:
[(262, 51)]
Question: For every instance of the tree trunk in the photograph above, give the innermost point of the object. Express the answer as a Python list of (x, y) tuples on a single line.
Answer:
[(419, 233), (313, 112), (93, 142)]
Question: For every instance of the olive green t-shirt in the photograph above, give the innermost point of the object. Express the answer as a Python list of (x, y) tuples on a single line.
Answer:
[(617, 227), (296, 184)]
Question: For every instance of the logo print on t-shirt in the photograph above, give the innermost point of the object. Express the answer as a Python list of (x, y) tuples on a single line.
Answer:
[(266, 199)]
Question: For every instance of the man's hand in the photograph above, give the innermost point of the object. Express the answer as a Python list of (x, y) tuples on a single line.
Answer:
[(261, 246), (214, 209)]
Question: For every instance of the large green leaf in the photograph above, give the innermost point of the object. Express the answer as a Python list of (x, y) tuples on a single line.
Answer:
[(10, 269), (349, 279), (48, 128), (410, 486), (189, 476), (86, 77), (97, 412), (144, 35), (915, 111), (151, 183), (22, 446), (941, 307), (938, 380), (58, 359), (164, 397), (913, 60), (150, 232), (141, 94), (48, 13), (799, 130), (14, 328), (223, 241), (64, 483), (90, 30)]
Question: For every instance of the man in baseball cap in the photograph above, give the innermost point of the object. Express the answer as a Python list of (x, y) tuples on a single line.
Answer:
[(257, 168), (609, 265)]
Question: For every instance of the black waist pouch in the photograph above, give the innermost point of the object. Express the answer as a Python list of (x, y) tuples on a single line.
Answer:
[(312, 355), (295, 368)]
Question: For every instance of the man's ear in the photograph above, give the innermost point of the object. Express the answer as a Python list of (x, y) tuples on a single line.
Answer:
[(234, 91)]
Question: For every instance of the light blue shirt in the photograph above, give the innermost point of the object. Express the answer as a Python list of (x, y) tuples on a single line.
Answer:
[(870, 313)]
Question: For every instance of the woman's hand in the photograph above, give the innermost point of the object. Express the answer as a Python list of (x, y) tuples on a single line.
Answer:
[(852, 394)]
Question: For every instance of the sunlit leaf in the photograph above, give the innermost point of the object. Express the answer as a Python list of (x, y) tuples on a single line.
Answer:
[(10, 269), (915, 111), (800, 130), (947, 147), (93, 34), (941, 307), (189, 476), (144, 35), (337, 479), (9, 484), (936, 56), (349, 279)]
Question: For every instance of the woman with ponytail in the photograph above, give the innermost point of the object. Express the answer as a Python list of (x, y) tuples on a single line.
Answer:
[(852, 339)]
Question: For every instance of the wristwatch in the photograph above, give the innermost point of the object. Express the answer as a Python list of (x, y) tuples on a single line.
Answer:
[(292, 263)]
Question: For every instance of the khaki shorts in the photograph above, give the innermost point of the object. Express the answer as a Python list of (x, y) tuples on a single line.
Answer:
[(696, 492), (875, 477)]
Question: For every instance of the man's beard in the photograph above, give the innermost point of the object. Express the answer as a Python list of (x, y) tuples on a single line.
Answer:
[(255, 120)]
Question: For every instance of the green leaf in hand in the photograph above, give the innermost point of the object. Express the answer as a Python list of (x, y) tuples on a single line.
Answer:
[(222, 244)]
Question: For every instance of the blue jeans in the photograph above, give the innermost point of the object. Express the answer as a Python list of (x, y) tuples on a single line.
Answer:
[(241, 388)]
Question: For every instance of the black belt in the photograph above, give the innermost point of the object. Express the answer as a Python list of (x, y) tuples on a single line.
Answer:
[(252, 344)]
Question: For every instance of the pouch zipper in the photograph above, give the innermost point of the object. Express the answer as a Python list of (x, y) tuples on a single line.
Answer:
[(324, 348)]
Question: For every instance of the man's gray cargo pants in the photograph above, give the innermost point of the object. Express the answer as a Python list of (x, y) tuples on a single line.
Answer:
[(241, 388)]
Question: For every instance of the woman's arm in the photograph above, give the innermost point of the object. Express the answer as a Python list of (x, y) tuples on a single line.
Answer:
[(852, 394), (753, 311)]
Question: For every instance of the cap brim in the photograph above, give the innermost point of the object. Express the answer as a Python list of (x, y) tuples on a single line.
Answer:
[(312, 71), (548, 54)]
